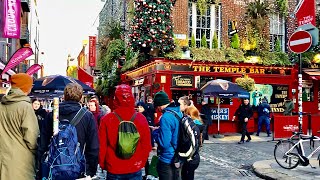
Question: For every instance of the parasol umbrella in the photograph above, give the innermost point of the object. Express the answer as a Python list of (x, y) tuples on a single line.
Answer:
[(54, 86), (223, 89)]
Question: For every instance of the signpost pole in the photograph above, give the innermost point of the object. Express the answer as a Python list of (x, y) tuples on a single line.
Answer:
[(300, 93)]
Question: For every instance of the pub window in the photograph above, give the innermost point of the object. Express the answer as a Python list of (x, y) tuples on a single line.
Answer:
[(277, 30), (307, 91), (206, 24)]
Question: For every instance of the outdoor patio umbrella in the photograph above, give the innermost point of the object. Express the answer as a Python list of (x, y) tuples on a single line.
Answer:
[(54, 86), (223, 89)]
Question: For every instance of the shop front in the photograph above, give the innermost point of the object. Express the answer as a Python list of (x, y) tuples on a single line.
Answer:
[(186, 77)]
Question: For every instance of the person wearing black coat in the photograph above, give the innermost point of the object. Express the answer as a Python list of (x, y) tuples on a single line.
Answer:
[(244, 113), (39, 111), (86, 129), (206, 116)]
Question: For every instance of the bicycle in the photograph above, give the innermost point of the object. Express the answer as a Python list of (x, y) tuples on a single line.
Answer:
[(289, 154)]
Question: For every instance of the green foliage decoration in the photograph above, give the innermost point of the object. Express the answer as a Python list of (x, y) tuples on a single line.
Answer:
[(234, 55), (111, 73), (282, 6), (204, 41), (246, 83), (210, 55), (176, 54), (235, 41), (257, 16), (202, 6), (277, 47), (132, 59), (193, 41), (215, 41)]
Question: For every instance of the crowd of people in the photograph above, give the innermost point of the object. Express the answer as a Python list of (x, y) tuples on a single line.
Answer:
[(27, 134)]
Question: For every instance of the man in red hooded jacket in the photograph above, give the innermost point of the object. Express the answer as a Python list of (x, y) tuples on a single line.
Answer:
[(108, 135)]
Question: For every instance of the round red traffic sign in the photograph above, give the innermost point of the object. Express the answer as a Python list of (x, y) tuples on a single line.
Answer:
[(300, 41)]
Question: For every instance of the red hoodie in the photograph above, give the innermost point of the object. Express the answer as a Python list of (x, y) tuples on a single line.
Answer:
[(108, 135)]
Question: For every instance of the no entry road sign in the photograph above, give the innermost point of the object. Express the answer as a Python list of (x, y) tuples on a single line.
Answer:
[(300, 41)]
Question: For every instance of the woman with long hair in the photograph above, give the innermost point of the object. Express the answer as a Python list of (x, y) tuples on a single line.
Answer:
[(189, 167), (194, 113)]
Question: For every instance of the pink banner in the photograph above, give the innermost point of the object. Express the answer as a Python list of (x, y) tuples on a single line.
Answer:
[(19, 56), (33, 69), (11, 18)]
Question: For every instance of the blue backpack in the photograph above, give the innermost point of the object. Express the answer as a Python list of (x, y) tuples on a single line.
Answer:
[(65, 160)]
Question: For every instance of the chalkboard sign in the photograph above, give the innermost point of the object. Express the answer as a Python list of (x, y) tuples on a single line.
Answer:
[(280, 92)]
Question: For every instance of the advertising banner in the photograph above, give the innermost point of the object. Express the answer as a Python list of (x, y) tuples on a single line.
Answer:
[(92, 51), (19, 56), (306, 12), (33, 69), (11, 18), (260, 91), (223, 114)]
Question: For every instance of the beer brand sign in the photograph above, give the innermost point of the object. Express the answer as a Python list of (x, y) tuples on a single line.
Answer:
[(182, 81)]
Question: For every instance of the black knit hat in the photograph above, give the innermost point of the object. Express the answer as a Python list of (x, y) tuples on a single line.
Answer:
[(161, 98)]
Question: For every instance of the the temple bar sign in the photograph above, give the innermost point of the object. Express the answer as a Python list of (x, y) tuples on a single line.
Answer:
[(182, 81), (246, 70)]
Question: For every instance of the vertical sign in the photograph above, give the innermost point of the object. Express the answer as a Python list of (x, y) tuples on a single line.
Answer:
[(306, 12), (55, 115), (92, 51), (11, 18)]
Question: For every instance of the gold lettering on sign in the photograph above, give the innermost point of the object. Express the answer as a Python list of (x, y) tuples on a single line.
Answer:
[(182, 81), (227, 69)]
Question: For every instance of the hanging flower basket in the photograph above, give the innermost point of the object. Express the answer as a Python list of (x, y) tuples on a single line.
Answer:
[(246, 83)]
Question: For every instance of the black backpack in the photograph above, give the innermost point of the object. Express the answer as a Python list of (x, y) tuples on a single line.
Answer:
[(188, 141)]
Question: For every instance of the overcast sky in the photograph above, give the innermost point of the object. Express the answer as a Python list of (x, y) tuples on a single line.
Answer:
[(64, 24)]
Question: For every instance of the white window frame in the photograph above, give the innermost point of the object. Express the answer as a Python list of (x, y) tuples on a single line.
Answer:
[(213, 23), (277, 28)]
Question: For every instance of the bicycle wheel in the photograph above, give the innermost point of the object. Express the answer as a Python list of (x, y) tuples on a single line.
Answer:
[(289, 161)]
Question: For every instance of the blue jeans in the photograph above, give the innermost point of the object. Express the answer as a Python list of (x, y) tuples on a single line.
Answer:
[(264, 120), (131, 176)]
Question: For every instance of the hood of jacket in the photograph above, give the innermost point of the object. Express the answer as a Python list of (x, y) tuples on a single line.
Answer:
[(123, 97), (15, 95), (68, 107)]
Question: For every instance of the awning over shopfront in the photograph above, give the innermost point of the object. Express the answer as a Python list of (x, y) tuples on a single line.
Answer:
[(314, 74), (85, 77)]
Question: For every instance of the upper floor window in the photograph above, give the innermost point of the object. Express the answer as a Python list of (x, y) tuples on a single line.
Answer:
[(206, 24), (277, 31)]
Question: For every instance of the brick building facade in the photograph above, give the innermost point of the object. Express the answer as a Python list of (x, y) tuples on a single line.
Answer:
[(229, 10)]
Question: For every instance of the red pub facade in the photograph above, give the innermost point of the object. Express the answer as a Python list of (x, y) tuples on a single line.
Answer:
[(186, 77)]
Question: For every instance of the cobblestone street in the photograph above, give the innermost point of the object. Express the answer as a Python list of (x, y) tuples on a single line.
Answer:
[(232, 161)]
